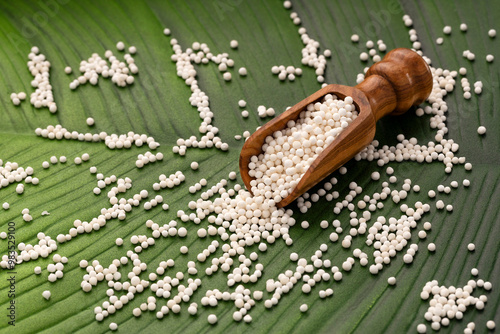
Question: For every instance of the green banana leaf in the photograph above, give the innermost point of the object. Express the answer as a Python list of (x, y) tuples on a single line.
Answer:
[(157, 105)]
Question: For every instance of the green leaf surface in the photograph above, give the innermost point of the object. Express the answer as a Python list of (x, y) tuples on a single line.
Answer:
[(157, 104)]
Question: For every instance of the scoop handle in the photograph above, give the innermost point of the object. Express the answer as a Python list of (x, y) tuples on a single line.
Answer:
[(402, 79)]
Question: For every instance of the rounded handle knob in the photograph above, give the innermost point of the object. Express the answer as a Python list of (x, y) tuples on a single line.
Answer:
[(408, 82)]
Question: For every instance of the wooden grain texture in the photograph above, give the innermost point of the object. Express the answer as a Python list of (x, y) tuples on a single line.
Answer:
[(409, 76), (401, 80)]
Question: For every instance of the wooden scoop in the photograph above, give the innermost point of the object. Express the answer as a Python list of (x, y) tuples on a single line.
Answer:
[(392, 86)]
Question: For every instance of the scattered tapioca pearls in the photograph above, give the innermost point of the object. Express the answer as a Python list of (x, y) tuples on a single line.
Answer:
[(11, 172), (85, 157), (199, 53), (407, 20), (26, 215), (126, 141), (212, 319), (154, 202), (120, 72), (242, 71), (310, 56), (46, 294), (478, 87), (56, 269), (39, 68), (442, 149), (16, 98), (288, 72), (451, 302), (260, 208), (121, 186), (148, 157), (197, 186), (120, 207), (87, 285), (295, 18), (265, 112), (389, 243), (236, 316), (29, 252), (112, 141), (289, 152), (469, 55)]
